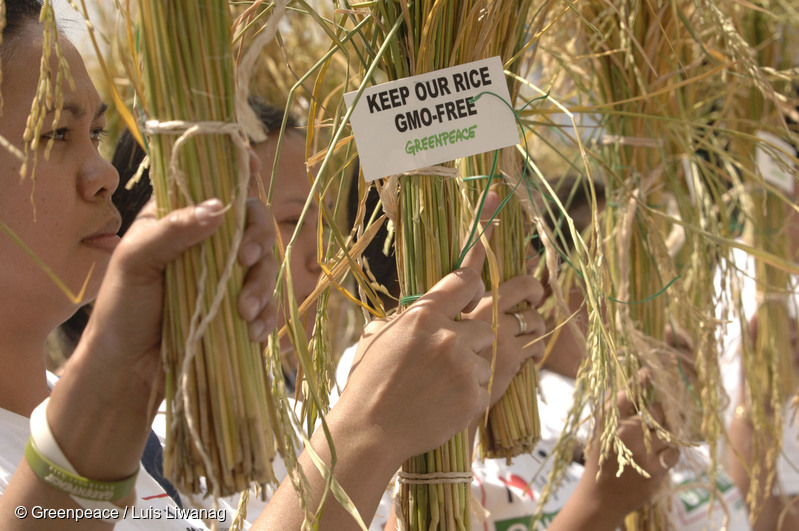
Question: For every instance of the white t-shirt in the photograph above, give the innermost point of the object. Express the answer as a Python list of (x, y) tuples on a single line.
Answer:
[(745, 284), (510, 493), (154, 509)]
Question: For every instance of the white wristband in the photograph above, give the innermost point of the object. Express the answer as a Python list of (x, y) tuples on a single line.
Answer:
[(48, 447)]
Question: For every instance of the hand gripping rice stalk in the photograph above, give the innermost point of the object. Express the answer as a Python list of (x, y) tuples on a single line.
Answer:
[(420, 37), (635, 53), (219, 406), (428, 239), (513, 426)]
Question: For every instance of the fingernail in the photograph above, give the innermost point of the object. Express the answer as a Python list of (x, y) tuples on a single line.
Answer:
[(208, 209), (251, 253)]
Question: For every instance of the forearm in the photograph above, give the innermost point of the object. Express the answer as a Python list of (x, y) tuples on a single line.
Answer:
[(584, 510), (364, 466), (101, 418), (91, 455)]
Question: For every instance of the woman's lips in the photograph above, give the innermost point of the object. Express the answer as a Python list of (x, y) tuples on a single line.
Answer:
[(104, 241), (106, 238)]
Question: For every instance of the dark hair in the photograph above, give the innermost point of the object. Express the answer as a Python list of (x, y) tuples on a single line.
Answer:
[(127, 158), (19, 13), (572, 192), (382, 266), (271, 117)]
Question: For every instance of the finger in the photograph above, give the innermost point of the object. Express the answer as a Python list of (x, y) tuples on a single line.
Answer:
[(477, 334), (257, 289), (259, 234), (482, 400), (481, 369), (266, 321), (148, 211), (534, 345), (645, 377), (519, 289), (149, 246), (476, 256), (526, 322), (490, 206), (668, 457), (626, 406), (460, 291)]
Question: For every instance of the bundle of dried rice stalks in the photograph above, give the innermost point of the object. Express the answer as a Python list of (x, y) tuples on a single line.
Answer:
[(220, 411)]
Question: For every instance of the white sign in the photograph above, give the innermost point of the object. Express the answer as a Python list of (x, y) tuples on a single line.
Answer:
[(431, 118), (773, 164)]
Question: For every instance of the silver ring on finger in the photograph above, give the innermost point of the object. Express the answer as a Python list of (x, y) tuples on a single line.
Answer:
[(522, 322)]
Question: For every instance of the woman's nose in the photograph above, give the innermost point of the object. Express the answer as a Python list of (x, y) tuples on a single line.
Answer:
[(97, 178), (312, 264)]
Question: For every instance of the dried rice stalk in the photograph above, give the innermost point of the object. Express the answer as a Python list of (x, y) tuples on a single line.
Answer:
[(513, 426), (768, 362), (219, 406)]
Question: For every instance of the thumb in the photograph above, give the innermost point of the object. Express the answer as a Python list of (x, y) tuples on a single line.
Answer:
[(152, 243), (476, 256), (459, 291), (131, 298)]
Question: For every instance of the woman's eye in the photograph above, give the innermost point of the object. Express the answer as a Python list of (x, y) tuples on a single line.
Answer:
[(98, 134), (58, 134)]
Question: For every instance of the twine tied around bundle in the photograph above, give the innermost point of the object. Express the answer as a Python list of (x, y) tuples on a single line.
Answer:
[(199, 319), (389, 192), (435, 478)]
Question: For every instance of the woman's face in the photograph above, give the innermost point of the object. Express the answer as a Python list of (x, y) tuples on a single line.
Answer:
[(64, 215), (289, 194)]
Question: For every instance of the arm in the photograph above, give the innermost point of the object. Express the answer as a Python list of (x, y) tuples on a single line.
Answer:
[(601, 502), (513, 348), (100, 412), (396, 403)]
